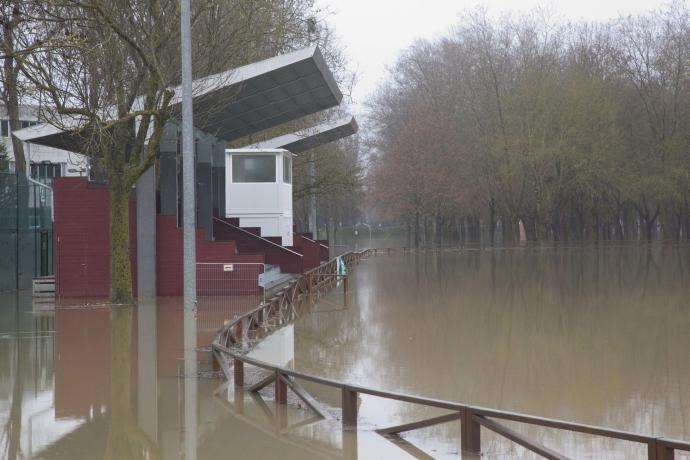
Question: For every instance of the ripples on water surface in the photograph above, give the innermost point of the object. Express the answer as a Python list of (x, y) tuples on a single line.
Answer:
[(593, 335)]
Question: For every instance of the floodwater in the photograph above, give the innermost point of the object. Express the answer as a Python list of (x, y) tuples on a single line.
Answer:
[(598, 335)]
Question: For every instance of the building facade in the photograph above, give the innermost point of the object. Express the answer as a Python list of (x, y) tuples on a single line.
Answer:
[(43, 163)]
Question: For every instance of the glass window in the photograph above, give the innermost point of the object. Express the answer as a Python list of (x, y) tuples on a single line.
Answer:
[(24, 123), (4, 127), (45, 172), (253, 168), (287, 169)]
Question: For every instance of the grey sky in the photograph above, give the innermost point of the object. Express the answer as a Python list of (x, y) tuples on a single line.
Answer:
[(373, 32)]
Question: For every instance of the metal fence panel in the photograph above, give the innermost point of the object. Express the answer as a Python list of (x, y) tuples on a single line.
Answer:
[(26, 231), (228, 279), (226, 290)]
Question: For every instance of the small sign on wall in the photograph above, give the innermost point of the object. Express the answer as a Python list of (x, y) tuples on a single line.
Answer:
[(228, 267)]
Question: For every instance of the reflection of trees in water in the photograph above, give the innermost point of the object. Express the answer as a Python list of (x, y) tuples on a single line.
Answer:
[(125, 438), (25, 368), (13, 427), (590, 334)]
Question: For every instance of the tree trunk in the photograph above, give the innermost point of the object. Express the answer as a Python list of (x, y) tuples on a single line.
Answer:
[(416, 230), (511, 230), (649, 228), (11, 94), (620, 234), (492, 222), (120, 266)]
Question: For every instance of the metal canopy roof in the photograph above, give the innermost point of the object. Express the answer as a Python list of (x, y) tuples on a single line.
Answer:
[(238, 102), (310, 138)]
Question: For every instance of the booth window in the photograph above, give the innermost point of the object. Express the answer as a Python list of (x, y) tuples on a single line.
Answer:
[(253, 168), (287, 169), (5, 128)]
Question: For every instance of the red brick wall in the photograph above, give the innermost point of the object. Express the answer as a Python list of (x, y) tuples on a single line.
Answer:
[(82, 243), (81, 231), (310, 250)]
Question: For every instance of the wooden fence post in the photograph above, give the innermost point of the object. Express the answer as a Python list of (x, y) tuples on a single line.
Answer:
[(349, 402), (281, 390), (215, 365), (349, 444), (238, 399), (238, 373), (470, 439), (345, 286), (658, 451), (238, 332)]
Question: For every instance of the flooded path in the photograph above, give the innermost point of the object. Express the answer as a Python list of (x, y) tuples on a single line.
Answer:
[(586, 334), (592, 335)]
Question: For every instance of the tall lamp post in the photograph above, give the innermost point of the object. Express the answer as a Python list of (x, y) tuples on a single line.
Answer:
[(189, 243), (188, 199), (367, 226)]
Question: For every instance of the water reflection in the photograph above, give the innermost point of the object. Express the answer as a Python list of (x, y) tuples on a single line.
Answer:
[(108, 382), (125, 438), (595, 335)]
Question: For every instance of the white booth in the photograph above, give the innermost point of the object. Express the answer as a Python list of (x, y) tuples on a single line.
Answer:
[(258, 190)]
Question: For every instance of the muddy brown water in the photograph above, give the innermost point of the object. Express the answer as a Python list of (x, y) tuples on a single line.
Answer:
[(591, 334)]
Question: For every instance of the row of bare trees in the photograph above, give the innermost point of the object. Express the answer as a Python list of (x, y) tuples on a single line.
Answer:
[(525, 125)]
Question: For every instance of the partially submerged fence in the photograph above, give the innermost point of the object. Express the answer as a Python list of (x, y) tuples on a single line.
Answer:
[(228, 279), (234, 341)]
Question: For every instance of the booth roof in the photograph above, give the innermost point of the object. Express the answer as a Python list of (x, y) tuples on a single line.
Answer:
[(310, 138), (235, 103)]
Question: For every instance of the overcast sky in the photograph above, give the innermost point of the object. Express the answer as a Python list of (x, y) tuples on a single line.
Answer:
[(373, 32)]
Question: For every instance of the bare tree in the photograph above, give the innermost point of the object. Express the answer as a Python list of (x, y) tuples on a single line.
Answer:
[(108, 76)]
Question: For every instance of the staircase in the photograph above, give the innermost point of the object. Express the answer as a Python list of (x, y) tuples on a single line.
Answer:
[(249, 241)]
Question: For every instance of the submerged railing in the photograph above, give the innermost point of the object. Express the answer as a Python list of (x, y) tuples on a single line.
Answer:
[(234, 340)]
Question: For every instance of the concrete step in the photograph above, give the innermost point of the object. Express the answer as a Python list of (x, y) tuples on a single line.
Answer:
[(274, 269), (273, 277)]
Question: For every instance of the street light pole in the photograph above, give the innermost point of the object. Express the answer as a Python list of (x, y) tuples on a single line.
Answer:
[(369, 227), (189, 237), (188, 199)]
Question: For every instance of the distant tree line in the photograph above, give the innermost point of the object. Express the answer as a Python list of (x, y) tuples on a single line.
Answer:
[(337, 186), (522, 125)]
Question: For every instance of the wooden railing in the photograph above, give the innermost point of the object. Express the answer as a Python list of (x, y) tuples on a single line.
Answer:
[(235, 339)]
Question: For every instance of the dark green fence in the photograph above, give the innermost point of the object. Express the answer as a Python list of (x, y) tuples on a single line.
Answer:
[(26, 231)]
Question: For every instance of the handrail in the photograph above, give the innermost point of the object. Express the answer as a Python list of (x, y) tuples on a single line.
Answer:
[(472, 417), (312, 240), (255, 236)]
